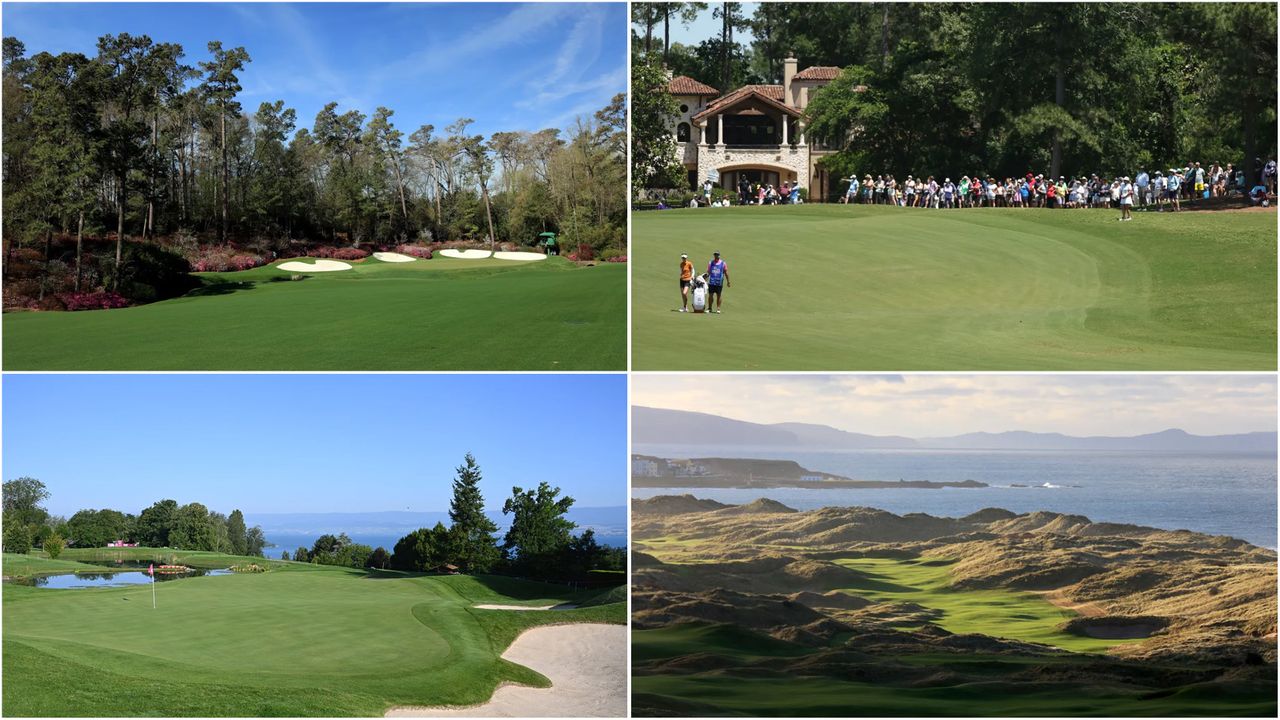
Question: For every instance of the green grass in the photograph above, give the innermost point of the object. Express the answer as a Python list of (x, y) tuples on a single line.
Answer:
[(202, 559), (998, 613), (21, 566), (300, 640), (438, 314), (833, 287), (721, 695)]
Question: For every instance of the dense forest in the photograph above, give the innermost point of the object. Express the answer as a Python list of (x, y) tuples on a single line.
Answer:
[(996, 88), (27, 524), (115, 164)]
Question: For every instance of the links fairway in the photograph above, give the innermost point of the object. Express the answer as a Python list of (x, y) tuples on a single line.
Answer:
[(439, 314), (298, 640), (838, 287)]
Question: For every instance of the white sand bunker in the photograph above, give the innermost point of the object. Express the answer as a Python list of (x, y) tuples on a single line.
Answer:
[(465, 254), (393, 257), (561, 606), (587, 667), (318, 266), (523, 256)]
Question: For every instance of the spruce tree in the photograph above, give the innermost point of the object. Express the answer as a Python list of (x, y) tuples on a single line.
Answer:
[(474, 548)]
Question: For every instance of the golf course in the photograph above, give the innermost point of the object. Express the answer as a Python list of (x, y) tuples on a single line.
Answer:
[(856, 287), (438, 314), (295, 640)]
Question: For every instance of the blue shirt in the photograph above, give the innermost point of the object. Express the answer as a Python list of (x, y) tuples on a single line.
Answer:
[(715, 272)]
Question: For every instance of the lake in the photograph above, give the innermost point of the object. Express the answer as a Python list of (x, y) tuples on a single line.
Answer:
[(115, 575), (1219, 494)]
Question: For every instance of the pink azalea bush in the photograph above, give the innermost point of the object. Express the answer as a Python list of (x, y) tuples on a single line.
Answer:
[(338, 253), (101, 300), (224, 259), (417, 251)]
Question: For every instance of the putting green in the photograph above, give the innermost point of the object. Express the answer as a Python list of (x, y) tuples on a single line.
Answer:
[(835, 287), (430, 315), (300, 640)]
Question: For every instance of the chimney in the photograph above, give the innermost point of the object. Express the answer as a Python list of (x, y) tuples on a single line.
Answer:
[(788, 71)]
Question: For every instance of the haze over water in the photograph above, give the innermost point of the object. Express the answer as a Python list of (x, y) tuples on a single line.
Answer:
[(1219, 494)]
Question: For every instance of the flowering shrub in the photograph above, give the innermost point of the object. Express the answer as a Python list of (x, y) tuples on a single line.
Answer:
[(350, 253), (417, 251), (101, 300), (616, 258), (586, 252), (224, 260)]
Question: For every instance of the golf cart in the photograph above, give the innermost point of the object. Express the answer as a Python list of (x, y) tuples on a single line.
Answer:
[(548, 241)]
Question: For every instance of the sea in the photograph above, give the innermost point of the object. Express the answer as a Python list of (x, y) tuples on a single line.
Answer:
[(1219, 494)]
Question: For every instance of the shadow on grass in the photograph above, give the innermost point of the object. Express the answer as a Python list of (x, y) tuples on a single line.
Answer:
[(220, 288)]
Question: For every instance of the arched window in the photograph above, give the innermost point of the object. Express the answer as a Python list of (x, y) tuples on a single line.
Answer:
[(682, 132)]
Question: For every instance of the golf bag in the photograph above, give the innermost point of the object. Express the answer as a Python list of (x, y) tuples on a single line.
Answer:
[(698, 297)]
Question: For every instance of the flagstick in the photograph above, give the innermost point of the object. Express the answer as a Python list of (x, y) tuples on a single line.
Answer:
[(153, 590)]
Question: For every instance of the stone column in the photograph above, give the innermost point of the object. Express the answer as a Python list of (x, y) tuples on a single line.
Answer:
[(720, 129), (800, 129), (785, 122)]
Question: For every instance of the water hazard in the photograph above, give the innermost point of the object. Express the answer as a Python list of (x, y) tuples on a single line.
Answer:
[(115, 574)]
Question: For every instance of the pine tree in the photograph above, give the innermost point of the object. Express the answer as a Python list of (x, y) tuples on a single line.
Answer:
[(474, 548)]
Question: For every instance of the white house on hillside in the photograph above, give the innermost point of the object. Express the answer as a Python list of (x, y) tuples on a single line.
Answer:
[(755, 132)]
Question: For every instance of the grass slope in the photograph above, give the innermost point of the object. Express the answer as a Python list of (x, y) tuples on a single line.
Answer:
[(998, 613), (301, 640), (833, 287), (20, 566), (428, 315)]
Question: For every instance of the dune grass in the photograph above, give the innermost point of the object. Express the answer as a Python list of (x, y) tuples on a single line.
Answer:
[(834, 287), (301, 640), (999, 613), (440, 314)]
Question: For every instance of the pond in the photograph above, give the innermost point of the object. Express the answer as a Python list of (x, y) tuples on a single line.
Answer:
[(114, 574)]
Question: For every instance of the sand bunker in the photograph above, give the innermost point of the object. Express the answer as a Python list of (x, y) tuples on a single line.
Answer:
[(465, 254), (319, 266), (393, 257), (522, 256), (587, 667), (561, 606)]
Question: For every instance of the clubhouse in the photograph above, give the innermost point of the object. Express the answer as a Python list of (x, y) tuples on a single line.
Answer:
[(756, 132)]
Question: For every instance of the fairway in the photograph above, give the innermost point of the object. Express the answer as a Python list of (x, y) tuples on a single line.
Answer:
[(300, 640), (836, 287), (440, 314)]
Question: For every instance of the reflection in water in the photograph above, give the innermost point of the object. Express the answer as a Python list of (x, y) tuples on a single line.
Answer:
[(109, 578)]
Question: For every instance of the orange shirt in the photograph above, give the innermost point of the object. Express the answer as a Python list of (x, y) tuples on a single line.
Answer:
[(686, 270)]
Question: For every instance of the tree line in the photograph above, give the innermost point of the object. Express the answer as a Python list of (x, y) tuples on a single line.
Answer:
[(540, 542), (1070, 88), (27, 524), (136, 144)]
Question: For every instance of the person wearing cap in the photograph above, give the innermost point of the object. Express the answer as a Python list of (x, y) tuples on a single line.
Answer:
[(1126, 199), (909, 192), (1175, 183), (686, 280), (717, 279)]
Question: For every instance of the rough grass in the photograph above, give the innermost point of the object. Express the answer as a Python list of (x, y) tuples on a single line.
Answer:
[(19, 566), (831, 287), (999, 613), (300, 640), (437, 314)]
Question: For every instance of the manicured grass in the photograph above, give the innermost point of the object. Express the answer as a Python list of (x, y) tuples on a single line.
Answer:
[(14, 565), (428, 315), (722, 695), (998, 613), (834, 287), (301, 640)]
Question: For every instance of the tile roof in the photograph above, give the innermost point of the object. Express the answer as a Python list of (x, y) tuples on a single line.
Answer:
[(817, 72), (772, 94), (685, 85)]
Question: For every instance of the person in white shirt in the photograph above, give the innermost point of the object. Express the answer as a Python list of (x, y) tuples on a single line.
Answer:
[(1126, 199)]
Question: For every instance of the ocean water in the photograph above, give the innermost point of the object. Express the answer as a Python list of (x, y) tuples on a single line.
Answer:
[(1220, 494), (292, 541)]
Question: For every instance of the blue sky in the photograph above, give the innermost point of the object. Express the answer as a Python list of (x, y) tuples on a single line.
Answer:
[(509, 66), (312, 443)]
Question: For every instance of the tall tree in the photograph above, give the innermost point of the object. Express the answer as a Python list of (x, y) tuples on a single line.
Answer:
[(654, 163), (156, 523), (539, 533), (236, 533), (474, 548), (222, 85), (386, 138)]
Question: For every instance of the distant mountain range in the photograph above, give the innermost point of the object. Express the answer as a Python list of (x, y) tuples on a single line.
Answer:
[(655, 426)]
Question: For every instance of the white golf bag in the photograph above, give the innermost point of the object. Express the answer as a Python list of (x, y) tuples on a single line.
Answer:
[(698, 297)]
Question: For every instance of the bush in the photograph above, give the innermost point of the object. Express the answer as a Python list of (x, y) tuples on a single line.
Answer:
[(17, 538), (613, 255), (349, 253), (101, 300), (54, 545), (148, 273), (585, 252), (417, 251)]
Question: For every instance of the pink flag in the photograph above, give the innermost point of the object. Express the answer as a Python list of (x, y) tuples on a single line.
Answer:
[(151, 569)]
